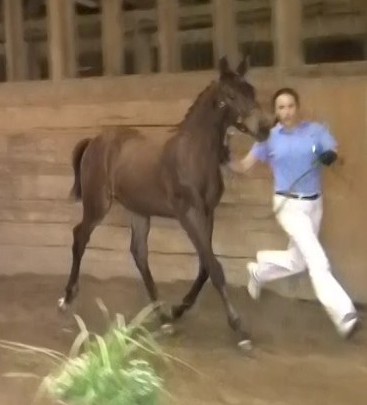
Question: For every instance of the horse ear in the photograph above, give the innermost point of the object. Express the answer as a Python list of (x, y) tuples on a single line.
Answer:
[(223, 66), (243, 66)]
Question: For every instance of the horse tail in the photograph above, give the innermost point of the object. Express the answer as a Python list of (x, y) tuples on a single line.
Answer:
[(79, 149)]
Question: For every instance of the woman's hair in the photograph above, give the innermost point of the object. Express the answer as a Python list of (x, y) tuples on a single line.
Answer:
[(284, 90)]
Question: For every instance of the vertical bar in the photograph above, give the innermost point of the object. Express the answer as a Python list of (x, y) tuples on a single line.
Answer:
[(169, 52), (70, 33), (15, 47), (112, 37), (225, 39), (142, 52), (61, 39), (55, 41), (364, 13), (287, 33)]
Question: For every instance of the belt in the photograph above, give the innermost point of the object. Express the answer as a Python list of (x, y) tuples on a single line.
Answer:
[(298, 196)]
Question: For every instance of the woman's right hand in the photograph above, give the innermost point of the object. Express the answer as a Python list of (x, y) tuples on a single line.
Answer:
[(236, 166), (243, 165)]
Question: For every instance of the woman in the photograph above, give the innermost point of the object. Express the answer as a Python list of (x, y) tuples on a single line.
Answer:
[(295, 151)]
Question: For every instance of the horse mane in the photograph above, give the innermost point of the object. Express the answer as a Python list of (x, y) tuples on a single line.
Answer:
[(198, 99)]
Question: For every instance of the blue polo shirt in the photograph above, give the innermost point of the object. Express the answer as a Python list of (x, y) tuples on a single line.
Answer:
[(291, 153)]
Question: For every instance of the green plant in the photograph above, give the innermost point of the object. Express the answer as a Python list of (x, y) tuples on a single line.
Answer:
[(118, 368)]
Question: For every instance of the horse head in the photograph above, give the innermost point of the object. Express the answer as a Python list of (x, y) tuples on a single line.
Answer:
[(238, 96)]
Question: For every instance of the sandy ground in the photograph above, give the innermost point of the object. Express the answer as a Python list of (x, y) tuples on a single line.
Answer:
[(298, 358)]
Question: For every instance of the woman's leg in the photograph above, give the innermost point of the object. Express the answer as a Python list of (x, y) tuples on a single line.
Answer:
[(301, 228), (276, 264)]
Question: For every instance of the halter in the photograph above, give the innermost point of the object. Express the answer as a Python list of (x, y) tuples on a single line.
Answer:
[(221, 104)]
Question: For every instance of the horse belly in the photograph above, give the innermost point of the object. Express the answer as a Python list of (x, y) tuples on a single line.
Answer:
[(144, 198), (145, 206), (138, 183)]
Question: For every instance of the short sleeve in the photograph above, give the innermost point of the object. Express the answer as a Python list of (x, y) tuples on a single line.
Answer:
[(326, 140), (260, 151)]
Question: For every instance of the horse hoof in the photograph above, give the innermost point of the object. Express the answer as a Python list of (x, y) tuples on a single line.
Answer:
[(62, 305), (176, 312), (167, 329), (245, 345)]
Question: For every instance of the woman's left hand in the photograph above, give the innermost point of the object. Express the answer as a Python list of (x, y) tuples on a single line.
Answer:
[(328, 157)]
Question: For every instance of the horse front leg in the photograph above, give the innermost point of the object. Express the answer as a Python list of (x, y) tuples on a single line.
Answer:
[(193, 221), (140, 227), (190, 298)]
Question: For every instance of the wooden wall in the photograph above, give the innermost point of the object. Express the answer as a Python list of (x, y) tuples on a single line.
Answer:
[(41, 122)]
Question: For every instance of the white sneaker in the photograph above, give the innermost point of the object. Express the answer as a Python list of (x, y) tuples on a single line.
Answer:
[(348, 326), (253, 286)]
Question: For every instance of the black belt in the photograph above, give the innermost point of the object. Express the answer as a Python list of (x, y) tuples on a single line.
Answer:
[(297, 196)]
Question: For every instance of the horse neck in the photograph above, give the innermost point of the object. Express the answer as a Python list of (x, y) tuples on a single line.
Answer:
[(204, 123)]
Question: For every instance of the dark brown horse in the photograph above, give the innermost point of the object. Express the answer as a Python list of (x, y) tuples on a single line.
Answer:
[(179, 179)]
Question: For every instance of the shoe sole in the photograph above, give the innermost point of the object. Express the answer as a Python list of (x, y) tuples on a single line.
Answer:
[(353, 330)]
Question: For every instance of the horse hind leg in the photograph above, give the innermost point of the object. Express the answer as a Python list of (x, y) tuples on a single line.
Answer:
[(94, 210), (140, 227), (193, 221)]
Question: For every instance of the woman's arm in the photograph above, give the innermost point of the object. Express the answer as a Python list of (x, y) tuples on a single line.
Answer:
[(328, 153), (243, 165)]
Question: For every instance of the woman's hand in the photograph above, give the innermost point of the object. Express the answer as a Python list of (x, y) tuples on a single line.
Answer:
[(328, 157), (243, 165), (235, 166)]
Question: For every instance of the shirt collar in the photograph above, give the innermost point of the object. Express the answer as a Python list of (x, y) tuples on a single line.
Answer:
[(280, 128)]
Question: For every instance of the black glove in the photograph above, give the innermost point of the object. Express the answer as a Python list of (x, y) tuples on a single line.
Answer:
[(328, 157)]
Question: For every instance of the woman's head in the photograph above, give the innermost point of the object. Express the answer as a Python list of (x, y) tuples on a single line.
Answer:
[(285, 103)]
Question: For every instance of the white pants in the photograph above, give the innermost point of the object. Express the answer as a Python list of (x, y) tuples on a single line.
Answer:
[(301, 220)]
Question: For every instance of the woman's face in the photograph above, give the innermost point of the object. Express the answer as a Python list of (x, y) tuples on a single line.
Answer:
[(286, 110)]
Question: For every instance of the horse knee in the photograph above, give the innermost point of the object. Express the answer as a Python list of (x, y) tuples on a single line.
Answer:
[(76, 230), (81, 233), (136, 251), (76, 235), (140, 254), (216, 274)]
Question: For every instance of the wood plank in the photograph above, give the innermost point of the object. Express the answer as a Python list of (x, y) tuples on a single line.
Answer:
[(56, 184), (249, 217), (107, 264), (166, 240), (54, 147), (146, 113)]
